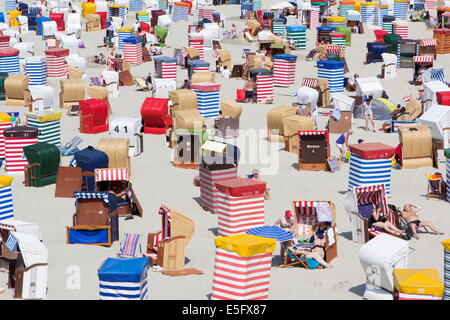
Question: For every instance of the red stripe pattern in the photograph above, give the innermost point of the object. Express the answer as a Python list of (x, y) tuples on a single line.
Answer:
[(200, 69), (169, 70), (428, 42), (111, 174), (373, 195), (314, 20), (310, 82), (15, 158), (56, 67), (197, 43), (283, 73), (3, 126), (238, 214), (333, 49), (132, 52), (205, 13), (306, 212), (423, 59), (208, 190), (264, 88), (241, 278), (402, 31)]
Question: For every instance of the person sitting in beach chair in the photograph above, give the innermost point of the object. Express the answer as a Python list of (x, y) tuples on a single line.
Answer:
[(379, 222), (413, 222), (317, 249)]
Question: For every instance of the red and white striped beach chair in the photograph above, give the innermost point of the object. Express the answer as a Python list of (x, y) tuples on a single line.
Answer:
[(306, 214), (130, 246), (369, 196)]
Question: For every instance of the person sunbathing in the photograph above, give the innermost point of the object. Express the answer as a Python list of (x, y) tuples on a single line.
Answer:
[(379, 222), (409, 213), (317, 252)]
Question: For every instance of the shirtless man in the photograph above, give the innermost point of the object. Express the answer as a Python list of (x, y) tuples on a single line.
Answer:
[(249, 92), (409, 213)]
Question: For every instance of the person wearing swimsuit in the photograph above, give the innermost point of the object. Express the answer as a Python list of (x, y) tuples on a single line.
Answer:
[(409, 213), (379, 222)]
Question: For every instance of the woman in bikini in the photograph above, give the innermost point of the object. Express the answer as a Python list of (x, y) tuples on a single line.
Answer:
[(317, 252), (409, 213), (379, 222)]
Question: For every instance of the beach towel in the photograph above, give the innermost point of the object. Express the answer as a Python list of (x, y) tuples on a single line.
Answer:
[(324, 213)]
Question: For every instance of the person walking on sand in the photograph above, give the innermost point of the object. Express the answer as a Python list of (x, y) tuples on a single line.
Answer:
[(368, 113), (342, 144)]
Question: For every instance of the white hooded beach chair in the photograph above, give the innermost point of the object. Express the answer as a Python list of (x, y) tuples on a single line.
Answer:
[(389, 67)]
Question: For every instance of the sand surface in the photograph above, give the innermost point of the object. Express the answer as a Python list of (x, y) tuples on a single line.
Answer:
[(157, 182)]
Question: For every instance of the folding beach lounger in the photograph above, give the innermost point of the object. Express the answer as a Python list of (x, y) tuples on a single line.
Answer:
[(129, 248)]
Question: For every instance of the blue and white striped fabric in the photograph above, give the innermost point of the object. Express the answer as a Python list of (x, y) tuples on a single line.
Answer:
[(400, 9), (437, 74), (73, 162), (10, 5), (50, 131), (11, 243), (10, 64), (136, 5), (91, 195), (381, 12), (36, 70), (353, 15), (335, 76), (272, 232), (368, 14), (447, 180), (123, 279), (208, 103), (180, 13), (368, 172), (6, 203), (123, 290), (446, 275), (123, 35)]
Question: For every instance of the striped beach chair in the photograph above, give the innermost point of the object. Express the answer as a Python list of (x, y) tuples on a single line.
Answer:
[(71, 147), (369, 196), (130, 246)]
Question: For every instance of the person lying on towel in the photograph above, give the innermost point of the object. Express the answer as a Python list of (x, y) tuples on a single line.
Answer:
[(409, 213), (379, 222), (317, 251)]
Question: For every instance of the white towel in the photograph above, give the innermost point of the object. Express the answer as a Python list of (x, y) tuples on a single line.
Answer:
[(330, 234)]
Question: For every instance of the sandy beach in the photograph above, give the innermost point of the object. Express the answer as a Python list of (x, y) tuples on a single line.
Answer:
[(156, 181)]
